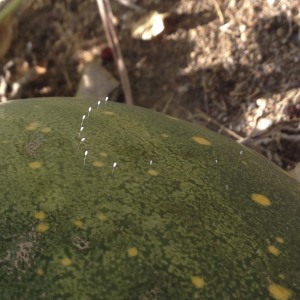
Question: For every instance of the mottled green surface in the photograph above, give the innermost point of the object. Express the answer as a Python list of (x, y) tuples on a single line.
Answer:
[(190, 232)]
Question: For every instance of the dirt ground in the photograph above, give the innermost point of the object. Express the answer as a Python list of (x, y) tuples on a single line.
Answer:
[(231, 65)]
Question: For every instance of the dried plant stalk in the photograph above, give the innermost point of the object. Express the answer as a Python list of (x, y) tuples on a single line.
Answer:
[(113, 42)]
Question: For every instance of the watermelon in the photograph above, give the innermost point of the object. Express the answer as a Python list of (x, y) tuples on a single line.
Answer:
[(101, 200)]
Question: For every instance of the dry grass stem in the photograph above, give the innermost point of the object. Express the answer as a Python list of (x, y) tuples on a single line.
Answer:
[(107, 17)]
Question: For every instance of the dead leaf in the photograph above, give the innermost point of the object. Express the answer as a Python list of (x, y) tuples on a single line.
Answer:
[(96, 82), (148, 26)]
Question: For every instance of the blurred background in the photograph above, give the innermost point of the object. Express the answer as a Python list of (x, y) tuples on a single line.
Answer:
[(233, 66)]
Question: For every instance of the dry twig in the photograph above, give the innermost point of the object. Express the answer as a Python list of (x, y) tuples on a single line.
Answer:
[(107, 17), (203, 115), (219, 11)]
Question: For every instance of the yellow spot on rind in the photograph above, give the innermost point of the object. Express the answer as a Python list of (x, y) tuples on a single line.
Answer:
[(45, 130), (152, 172), (201, 140), (132, 252), (279, 240), (198, 282), (35, 165), (278, 292), (102, 217), (103, 154), (273, 250), (261, 199), (98, 164), (32, 126), (109, 113), (66, 261), (78, 223), (42, 227), (40, 215), (40, 272)]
